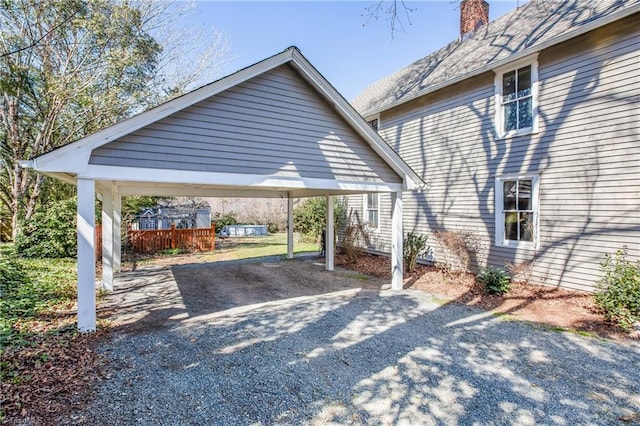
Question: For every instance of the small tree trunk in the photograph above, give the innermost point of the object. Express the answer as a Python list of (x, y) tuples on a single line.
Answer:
[(33, 198), (15, 200)]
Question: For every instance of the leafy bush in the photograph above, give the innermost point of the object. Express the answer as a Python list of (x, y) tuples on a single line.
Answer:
[(13, 303), (222, 220), (309, 216), (30, 286), (414, 246), (51, 232), (618, 291), (12, 276), (173, 251), (494, 279), (132, 205), (272, 227)]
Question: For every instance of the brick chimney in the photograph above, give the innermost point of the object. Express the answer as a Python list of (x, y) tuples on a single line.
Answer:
[(473, 15)]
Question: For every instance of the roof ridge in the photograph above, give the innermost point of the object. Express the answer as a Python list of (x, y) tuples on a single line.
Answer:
[(521, 29)]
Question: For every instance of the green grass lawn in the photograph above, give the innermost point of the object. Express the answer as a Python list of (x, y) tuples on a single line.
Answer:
[(250, 247)]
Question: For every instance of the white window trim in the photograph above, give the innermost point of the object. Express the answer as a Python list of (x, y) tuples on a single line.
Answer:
[(500, 240), (499, 116), (365, 211)]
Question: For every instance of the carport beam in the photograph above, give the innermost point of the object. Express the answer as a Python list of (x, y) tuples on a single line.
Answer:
[(396, 241), (289, 228), (329, 244), (86, 255)]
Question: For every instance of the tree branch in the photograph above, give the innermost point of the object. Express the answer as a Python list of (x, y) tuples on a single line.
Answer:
[(45, 35)]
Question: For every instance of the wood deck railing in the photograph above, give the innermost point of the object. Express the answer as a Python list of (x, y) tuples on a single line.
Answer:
[(153, 241)]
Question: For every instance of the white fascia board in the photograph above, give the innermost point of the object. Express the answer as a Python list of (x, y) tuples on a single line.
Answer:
[(194, 191), (63, 176), (621, 14), (73, 159), (31, 165), (228, 180), (62, 158), (346, 110)]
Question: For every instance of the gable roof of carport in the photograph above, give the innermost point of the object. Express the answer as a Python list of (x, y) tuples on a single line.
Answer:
[(161, 147)]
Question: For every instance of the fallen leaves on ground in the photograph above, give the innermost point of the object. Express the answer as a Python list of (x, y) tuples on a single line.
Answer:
[(49, 375)]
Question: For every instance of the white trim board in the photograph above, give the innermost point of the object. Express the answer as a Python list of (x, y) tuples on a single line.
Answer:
[(228, 180)]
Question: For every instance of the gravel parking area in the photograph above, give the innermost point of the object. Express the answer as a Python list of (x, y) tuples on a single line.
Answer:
[(289, 343)]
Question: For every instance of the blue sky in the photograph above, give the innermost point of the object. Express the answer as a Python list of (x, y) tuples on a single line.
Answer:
[(332, 36)]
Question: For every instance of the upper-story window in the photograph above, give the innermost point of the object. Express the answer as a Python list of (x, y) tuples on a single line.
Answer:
[(517, 99)]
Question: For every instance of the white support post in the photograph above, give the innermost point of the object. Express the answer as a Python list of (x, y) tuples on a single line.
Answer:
[(117, 231), (396, 241), (86, 256), (289, 228), (329, 245), (107, 239)]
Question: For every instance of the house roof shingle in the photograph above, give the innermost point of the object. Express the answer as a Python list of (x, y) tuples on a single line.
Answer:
[(527, 29)]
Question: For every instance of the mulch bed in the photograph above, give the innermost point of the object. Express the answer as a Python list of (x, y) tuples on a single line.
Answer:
[(550, 306)]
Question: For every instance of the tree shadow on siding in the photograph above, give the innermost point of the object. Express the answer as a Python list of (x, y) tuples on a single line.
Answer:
[(475, 168)]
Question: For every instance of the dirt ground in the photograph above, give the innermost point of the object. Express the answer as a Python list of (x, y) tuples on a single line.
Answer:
[(550, 306), (169, 290)]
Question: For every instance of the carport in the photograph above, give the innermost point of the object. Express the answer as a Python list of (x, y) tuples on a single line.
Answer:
[(274, 129)]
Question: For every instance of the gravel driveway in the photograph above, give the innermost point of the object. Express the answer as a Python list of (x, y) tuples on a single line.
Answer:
[(289, 343)]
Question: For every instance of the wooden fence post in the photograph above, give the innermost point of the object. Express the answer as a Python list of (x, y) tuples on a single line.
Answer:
[(98, 240), (213, 236), (173, 235)]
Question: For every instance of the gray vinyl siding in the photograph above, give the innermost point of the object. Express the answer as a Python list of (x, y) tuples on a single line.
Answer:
[(274, 124), (378, 240), (586, 152)]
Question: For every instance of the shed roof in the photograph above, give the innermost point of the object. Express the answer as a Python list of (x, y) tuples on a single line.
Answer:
[(528, 29), (281, 128)]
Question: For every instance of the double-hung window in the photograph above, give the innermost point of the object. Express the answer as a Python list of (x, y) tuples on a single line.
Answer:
[(372, 210), (517, 99), (516, 210)]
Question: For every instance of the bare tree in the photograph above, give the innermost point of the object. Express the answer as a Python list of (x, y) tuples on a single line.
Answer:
[(395, 12), (71, 67)]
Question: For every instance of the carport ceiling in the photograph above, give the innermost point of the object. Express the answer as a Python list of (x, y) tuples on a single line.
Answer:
[(274, 129)]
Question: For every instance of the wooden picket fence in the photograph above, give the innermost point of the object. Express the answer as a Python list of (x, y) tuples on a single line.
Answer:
[(153, 241)]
